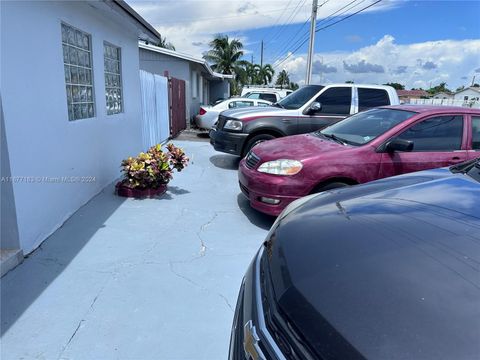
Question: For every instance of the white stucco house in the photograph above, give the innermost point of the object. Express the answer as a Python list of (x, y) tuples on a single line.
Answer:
[(203, 85), (468, 94), (71, 109)]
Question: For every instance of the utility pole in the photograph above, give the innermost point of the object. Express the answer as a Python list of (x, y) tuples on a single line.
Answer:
[(311, 44), (261, 56)]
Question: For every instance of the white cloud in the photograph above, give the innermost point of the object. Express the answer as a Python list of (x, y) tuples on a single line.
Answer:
[(190, 23), (414, 65)]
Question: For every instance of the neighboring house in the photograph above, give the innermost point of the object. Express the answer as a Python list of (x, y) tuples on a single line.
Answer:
[(406, 95), (70, 89), (443, 95), (469, 94), (203, 85)]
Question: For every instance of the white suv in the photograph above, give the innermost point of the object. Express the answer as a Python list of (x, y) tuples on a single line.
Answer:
[(269, 94)]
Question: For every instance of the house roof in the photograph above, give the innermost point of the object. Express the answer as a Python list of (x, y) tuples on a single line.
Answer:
[(120, 12), (186, 57), (416, 93), (477, 89), (136, 16)]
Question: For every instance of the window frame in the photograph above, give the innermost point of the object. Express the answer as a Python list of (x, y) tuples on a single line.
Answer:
[(105, 73), (472, 117), (334, 88), (71, 103), (463, 133), (361, 89)]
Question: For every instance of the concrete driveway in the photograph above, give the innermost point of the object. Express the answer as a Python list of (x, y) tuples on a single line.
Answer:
[(138, 279)]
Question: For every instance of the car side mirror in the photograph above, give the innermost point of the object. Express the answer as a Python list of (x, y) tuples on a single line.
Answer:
[(314, 107), (399, 145)]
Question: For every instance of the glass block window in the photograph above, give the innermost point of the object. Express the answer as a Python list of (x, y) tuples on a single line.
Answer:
[(113, 79), (77, 61)]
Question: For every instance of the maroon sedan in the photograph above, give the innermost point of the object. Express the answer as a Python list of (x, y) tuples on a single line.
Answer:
[(367, 146)]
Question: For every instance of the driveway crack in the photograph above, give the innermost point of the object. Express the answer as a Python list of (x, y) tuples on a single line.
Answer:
[(203, 247)]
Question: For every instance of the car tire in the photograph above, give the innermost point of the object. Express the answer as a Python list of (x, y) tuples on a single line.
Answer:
[(257, 139), (330, 186)]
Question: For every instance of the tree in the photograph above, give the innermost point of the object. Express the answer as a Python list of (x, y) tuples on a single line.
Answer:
[(283, 79), (476, 85), (245, 72), (293, 86), (396, 86), (264, 74), (442, 87), (349, 82), (224, 54), (165, 44)]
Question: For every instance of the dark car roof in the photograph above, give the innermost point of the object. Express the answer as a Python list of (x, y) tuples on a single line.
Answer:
[(434, 109), (392, 266)]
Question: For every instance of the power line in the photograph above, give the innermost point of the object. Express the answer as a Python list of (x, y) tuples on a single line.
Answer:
[(326, 19), (289, 20), (290, 41), (347, 17), (325, 27), (265, 12), (276, 22)]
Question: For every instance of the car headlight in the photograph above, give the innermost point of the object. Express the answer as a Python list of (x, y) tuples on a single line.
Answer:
[(233, 125), (281, 167)]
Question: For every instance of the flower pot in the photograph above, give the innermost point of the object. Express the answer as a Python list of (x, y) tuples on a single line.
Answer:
[(123, 190)]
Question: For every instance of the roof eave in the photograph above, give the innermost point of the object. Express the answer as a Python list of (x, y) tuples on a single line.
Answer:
[(149, 32), (185, 57)]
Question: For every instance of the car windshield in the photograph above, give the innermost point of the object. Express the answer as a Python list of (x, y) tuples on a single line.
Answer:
[(300, 97), (366, 126)]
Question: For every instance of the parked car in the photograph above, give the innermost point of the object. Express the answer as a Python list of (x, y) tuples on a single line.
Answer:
[(385, 270), (208, 115), (367, 146), (265, 93), (310, 108)]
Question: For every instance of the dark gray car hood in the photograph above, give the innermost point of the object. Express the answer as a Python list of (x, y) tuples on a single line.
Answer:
[(391, 267)]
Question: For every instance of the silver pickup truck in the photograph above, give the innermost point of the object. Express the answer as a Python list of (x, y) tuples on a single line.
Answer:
[(308, 109)]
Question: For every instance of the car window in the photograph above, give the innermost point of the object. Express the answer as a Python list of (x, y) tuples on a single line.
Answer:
[(370, 98), (300, 97), (476, 132), (268, 97), (440, 133), (237, 104), (336, 100), (364, 127), (259, 103), (253, 95)]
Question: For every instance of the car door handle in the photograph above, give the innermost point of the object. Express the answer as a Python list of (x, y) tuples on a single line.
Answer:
[(286, 121)]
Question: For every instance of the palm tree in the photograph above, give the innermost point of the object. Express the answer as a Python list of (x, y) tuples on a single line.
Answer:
[(293, 86), (163, 43), (283, 79), (264, 74), (224, 54)]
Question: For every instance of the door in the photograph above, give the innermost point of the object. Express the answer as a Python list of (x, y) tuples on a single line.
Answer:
[(178, 119), (336, 104), (437, 142), (475, 146)]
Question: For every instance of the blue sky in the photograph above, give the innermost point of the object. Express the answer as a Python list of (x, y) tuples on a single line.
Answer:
[(417, 43), (408, 22)]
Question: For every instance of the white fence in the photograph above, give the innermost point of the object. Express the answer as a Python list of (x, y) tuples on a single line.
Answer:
[(445, 102), (155, 112)]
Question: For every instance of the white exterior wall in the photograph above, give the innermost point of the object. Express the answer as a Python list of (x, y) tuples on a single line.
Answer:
[(41, 140), (467, 92)]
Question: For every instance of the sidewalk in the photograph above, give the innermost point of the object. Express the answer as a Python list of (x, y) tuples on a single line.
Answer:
[(138, 279)]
